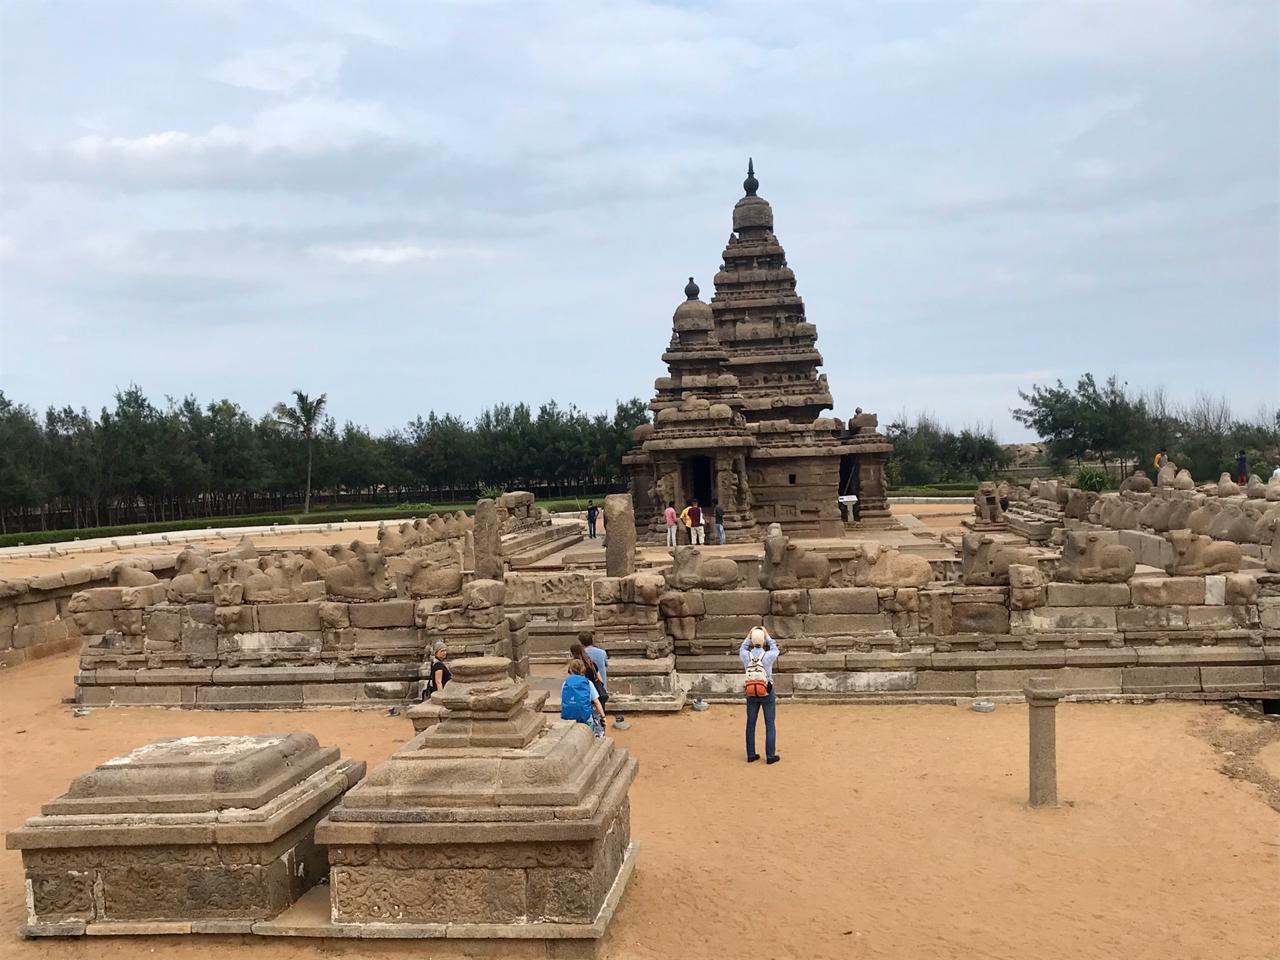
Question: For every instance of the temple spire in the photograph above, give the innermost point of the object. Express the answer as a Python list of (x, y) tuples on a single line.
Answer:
[(751, 184), (691, 290)]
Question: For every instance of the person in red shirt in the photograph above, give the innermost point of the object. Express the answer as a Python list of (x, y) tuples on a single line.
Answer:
[(669, 518)]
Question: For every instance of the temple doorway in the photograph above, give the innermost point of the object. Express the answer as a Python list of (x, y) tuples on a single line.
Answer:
[(848, 486), (698, 479)]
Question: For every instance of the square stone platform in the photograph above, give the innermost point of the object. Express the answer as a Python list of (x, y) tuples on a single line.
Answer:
[(192, 834)]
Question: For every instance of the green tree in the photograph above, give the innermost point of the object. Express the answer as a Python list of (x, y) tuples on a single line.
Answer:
[(303, 418)]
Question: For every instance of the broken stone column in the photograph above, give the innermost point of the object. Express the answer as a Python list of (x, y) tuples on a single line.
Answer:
[(185, 835), (488, 541), (494, 823), (620, 535), (1042, 703)]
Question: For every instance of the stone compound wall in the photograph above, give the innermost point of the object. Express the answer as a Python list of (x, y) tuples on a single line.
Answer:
[(1154, 635), (34, 619)]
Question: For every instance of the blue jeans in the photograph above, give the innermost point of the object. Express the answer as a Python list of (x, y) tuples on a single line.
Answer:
[(720, 532), (770, 704)]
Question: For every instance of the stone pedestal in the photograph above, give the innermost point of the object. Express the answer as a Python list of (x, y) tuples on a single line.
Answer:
[(495, 822), (627, 626), (197, 834), (1042, 702), (620, 535)]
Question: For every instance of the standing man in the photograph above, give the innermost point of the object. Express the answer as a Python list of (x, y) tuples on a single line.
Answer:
[(719, 515), (1242, 469), (758, 653), (669, 518), (592, 512), (1161, 459), (697, 526)]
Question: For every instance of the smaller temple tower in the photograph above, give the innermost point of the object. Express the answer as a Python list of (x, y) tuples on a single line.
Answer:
[(699, 441)]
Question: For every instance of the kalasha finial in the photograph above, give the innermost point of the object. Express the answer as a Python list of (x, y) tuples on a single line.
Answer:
[(751, 184), (691, 290)]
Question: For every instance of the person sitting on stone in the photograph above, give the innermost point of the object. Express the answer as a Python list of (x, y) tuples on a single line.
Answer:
[(758, 653), (579, 699), (439, 675), (591, 669)]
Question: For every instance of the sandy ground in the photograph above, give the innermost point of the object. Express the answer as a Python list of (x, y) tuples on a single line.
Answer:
[(886, 832)]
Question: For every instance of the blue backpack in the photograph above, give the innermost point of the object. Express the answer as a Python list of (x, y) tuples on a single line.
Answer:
[(575, 699)]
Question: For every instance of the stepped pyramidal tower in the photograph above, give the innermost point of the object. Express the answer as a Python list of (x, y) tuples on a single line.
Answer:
[(738, 420)]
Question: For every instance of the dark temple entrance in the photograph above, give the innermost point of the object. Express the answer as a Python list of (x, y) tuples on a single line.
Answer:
[(848, 486), (698, 480)]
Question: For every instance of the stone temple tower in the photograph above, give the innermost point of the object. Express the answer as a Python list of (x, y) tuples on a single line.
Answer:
[(739, 419)]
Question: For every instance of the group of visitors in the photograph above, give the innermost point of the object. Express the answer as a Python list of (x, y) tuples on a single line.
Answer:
[(584, 693), (692, 519), (1161, 460), (585, 690)]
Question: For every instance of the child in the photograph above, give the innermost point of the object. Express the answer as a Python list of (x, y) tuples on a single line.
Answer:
[(579, 699)]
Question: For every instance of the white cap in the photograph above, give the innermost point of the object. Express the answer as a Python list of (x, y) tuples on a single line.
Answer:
[(756, 636)]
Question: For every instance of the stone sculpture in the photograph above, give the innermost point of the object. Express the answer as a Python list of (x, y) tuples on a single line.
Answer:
[(1255, 489), (1078, 504), (1092, 557), (1197, 556), (1139, 482), (1168, 475), (191, 582), (986, 504), (363, 577), (878, 565), (129, 574), (1273, 488), (1201, 519), (1232, 524), (434, 570), (279, 580), (488, 541), (1183, 481), (620, 535), (985, 562), (1268, 532), (1227, 487), (690, 570), (1179, 515), (787, 565), (1027, 588)]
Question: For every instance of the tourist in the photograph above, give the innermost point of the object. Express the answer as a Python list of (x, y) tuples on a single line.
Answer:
[(592, 673), (758, 653), (719, 515), (1242, 469), (697, 526), (1161, 460), (439, 675), (1002, 492), (579, 699), (684, 521), (669, 518), (592, 511), (600, 660)]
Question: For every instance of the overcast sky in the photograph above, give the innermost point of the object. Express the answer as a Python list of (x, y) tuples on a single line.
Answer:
[(415, 206)]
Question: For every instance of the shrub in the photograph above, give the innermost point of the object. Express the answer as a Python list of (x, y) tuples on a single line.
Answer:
[(1092, 478)]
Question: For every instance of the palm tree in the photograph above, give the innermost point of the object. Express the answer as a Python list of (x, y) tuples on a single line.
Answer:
[(303, 418)]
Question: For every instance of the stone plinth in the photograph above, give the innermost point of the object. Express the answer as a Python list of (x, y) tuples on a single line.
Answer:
[(493, 822), (181, 832)]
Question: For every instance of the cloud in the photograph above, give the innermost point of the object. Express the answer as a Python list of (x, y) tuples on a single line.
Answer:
[(283, 69), (391, 254)]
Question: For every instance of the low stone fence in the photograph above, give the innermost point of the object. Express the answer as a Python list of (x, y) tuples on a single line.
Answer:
[(34, 620)]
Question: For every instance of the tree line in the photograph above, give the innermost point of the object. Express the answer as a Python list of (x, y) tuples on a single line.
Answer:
[(136, 462), (1111, 424)]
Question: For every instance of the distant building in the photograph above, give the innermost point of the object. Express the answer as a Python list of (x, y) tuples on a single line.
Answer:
[(738, 418)]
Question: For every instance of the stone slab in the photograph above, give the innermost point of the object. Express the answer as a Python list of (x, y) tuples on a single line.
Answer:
[(1088, 594)]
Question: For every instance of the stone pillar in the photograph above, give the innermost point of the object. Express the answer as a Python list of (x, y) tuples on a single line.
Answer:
[(488, 541), (1042, 702), (620, 535)]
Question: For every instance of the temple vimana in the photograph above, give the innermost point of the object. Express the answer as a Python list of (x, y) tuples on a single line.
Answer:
[(496, 820), (738, 420)]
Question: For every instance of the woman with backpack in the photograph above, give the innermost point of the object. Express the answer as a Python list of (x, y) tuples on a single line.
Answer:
[(758, 653), (579, 699), (592, 670)]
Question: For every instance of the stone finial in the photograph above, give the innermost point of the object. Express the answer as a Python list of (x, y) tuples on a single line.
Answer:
[(751, 184), (691, 290)]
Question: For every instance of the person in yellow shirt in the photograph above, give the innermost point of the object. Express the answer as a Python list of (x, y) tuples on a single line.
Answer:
[(686, 522), (1161, 459)]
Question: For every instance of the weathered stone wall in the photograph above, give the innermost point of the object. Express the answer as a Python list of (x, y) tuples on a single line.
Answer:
[(1154, 635), (797, 492), (557, 607), (34, 620)]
